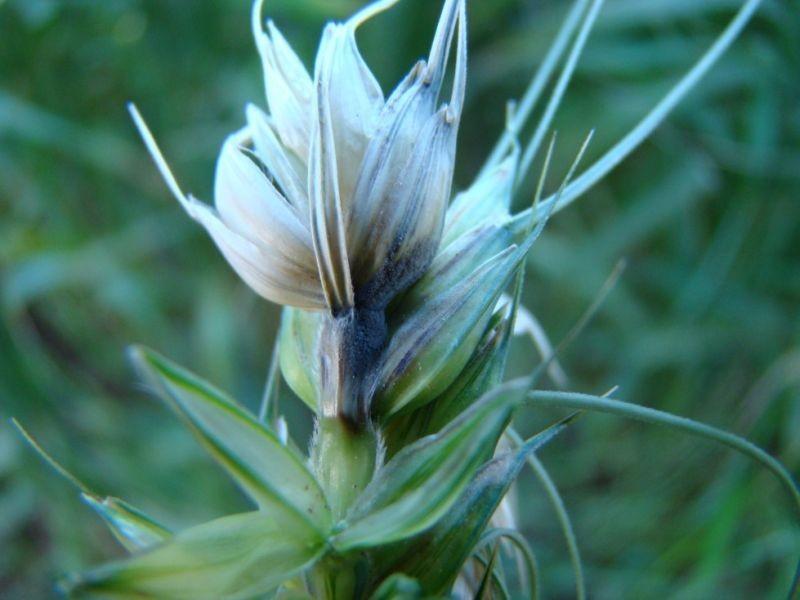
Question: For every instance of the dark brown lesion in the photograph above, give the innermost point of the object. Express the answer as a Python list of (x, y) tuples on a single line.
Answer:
[(351, 344)]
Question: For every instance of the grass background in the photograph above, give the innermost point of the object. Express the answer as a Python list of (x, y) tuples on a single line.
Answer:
[(94, 255)]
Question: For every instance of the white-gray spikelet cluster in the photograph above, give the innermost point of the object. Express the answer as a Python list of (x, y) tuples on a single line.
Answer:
[(337, 196)]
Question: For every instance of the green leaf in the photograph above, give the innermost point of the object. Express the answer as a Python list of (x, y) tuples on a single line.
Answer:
[(132, 528), (271, 473), (449, 543), (238, 556), (421, 483), (283, 594), (299, 357), (650, 415)]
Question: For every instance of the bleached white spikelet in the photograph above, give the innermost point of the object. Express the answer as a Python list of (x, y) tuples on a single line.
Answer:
[(335, 198)]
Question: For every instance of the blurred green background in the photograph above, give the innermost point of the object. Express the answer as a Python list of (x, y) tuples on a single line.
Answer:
[(94, 255)]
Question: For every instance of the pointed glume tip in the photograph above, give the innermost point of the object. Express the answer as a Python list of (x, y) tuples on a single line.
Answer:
[(157, 156)]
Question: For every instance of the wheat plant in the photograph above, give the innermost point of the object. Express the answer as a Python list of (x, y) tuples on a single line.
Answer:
[(400, 299)]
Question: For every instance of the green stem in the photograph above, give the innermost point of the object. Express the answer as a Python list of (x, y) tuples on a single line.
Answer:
[(344, 461), (333, 579)]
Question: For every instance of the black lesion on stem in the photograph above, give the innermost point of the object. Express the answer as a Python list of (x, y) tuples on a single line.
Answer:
[(354, 339)]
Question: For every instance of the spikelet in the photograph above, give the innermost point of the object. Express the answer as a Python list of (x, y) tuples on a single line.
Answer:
[(335, 202)]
